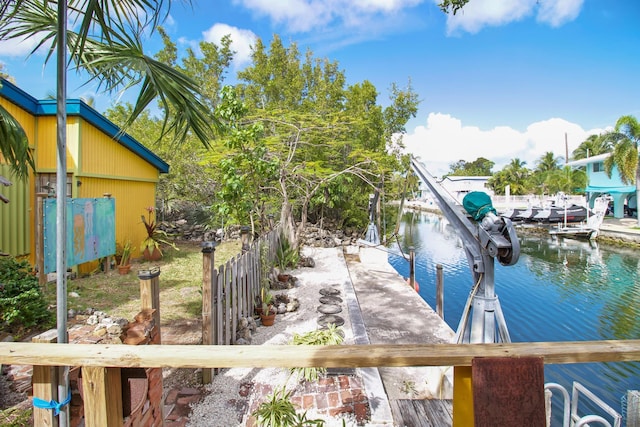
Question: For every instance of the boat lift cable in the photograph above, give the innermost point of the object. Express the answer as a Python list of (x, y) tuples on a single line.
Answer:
[(485, 237)]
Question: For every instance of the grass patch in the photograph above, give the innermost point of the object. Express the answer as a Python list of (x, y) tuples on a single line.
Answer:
[(119, 295)]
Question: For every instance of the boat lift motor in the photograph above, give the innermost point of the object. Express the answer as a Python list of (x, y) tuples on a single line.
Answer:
[(486, 238)]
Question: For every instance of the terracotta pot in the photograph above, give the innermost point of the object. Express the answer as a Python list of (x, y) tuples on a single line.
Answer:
[(283, 277), (268, 319), (152, 256), (124, 269)]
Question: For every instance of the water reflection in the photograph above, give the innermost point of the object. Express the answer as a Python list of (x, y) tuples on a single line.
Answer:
[(560, 290)]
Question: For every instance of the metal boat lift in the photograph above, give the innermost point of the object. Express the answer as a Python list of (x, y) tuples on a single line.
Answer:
[(493, 237)]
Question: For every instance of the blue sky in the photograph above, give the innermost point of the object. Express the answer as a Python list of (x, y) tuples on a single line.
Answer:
[(502, 79)]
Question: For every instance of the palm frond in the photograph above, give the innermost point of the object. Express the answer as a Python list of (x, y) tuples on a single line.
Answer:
[(14, 146)]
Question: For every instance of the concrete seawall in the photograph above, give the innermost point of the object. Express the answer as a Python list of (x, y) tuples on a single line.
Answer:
[(394, 313)]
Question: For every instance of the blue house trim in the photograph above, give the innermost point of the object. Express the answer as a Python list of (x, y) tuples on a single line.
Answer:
[(76, 107), (598, 182)]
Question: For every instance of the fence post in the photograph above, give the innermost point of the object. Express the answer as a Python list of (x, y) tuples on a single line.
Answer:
[(633, 408), (106, 263), (42, 277), (244, 238), (150, 297), (45, 380), (439, 291), (102, 396), (209, 282), (412, 267)]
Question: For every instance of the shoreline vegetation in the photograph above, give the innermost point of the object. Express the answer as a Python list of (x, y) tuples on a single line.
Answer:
[(623, 235)]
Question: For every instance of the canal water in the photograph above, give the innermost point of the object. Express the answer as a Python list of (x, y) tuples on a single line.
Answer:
[(560, 290)]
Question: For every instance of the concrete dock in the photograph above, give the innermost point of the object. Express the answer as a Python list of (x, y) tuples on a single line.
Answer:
[(384, 309)]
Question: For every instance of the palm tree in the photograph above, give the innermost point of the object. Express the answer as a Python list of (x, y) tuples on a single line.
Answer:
[(105, 43), (626, 137), (593, 146), (515, 174), (548, 162)]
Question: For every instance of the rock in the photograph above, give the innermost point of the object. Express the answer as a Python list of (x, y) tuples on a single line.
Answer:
[(92, 320), (71, 313), (307, 262), (74, 295), (114, 329), (100, 331), (282, 308)]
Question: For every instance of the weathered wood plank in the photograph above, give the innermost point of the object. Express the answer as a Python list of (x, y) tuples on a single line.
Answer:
[(421, 412), (439, 411), (44, 381), (102, 395), (287, 356)]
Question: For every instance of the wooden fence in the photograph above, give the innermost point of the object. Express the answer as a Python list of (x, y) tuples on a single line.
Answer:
[(229, 292), (104, 362)]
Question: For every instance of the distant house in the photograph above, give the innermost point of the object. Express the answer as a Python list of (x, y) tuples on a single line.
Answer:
[(100, 161), (598, 183), (460, 186)]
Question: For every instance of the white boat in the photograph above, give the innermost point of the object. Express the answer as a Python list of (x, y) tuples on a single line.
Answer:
[(588, 230)]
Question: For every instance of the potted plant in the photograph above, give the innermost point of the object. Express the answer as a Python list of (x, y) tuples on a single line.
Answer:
[(287, 256), (151, 244), (124, 266), (268, 313)]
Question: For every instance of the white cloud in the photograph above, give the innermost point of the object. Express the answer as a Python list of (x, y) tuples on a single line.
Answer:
[(445, 140), (17, 48), (301, 16), (242, 40), (556, 13), (478, 14)]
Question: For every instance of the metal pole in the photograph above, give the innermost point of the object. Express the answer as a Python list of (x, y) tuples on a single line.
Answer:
[(61, 207), (412, 267), (439, 291)]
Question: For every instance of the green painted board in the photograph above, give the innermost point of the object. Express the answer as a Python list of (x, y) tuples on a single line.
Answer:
[(91, 231)]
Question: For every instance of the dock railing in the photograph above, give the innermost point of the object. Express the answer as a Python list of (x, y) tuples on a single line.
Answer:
[(103, 362)]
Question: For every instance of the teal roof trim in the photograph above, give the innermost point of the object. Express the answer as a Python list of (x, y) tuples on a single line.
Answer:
[(76, 107), (611, 189)]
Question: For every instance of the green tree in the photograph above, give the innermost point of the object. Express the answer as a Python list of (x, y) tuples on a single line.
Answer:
[(567, 180), (479, 167), (452, 6), (626, 136), (515, 174), (105, 43), (592, 146), (322, 133)]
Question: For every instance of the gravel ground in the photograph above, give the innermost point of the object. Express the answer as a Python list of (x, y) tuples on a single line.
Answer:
[(229, 395)]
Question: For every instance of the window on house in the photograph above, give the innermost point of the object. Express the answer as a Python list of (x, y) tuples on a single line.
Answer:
[(46, 183), (598, 167)]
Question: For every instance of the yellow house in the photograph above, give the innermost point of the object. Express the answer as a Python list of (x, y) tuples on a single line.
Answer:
[(100, 161)]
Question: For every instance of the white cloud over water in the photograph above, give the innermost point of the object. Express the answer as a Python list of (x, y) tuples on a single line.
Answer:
[(444, 140)]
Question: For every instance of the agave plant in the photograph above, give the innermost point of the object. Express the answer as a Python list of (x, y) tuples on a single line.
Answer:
[(155, 237)]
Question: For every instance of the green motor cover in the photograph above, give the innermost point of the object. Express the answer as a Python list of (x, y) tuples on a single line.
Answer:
[(478, 204)]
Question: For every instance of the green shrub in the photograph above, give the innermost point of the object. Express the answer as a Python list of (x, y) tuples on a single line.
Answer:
[(333, 335), (278, 411), (287, 256), (22, 304)]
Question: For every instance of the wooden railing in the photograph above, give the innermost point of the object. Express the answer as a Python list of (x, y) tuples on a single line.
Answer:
[(103, 362)]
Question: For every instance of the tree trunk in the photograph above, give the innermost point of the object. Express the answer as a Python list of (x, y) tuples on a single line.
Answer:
[(288, 224)]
